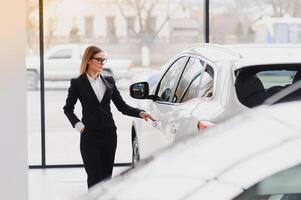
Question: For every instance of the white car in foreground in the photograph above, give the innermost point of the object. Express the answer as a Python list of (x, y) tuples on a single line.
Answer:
[(62, 62), (253, 156), (206, 84)]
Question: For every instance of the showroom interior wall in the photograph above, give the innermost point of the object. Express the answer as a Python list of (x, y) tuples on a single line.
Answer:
[(13, 137)]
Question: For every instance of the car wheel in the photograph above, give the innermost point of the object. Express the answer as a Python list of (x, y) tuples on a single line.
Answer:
[(32, 80), (135, 152)]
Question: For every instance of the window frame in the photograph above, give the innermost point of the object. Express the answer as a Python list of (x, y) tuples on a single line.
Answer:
[(215, 73), (196, 76), (174, 60), (199, 75), (214, 82)]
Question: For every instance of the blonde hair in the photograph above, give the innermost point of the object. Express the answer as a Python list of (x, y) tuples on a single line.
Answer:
[(88, 54)]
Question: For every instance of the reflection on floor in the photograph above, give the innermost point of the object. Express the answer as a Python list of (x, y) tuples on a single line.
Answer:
[(58, 184)]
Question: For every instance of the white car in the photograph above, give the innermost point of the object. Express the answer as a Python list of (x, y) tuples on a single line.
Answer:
[(62, 62), (253, 156), (206, 84)]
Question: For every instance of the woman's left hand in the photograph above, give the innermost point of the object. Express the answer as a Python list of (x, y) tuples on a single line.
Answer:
[(146, 116)]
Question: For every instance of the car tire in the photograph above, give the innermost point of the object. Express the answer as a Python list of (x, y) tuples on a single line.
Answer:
[(32, 80), (135, 150)]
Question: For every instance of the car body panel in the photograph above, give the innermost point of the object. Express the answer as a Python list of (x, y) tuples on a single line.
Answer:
[(150, 133), (224, 102), (220, 164), (214, 190)]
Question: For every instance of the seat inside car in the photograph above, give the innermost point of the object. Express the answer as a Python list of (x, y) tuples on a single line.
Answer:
[(297, 77), (275, 89), (295, 95), (250, 90)]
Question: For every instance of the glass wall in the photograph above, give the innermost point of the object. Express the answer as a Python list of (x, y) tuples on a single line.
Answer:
[(249, 21), (33, 93), (139, 37)]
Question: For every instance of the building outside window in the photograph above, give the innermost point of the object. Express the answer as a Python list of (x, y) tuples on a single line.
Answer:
[(152, 24), (130, 22), (89, 29), (111, 29), (262, 21)]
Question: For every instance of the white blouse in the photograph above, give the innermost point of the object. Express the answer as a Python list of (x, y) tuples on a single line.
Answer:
[(99, 89)]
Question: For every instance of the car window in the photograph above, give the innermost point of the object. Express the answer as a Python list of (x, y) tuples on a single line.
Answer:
[(169, 82), (190, 75), (61, 54), (192, 89), (285, 185), (271, 78), (205, 89), (255, 84), (201, 86)]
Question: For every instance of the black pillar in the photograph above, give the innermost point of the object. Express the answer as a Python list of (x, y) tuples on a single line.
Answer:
[(206, 21), (42, 91)]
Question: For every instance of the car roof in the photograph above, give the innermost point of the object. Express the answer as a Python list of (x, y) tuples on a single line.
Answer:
[(209, 164), (249, 54)]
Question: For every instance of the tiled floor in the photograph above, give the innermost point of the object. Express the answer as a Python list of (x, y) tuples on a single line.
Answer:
[(59, 184)]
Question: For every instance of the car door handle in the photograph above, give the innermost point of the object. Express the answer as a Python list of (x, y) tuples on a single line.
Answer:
[(157, 124)]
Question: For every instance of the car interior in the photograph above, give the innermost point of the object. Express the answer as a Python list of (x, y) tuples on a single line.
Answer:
[(292, 93), (257, 83)]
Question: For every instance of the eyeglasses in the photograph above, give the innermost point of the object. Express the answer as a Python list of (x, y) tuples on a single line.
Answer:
[(101, 60)]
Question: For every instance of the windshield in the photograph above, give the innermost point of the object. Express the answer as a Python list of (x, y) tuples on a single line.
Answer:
[(285, 185)]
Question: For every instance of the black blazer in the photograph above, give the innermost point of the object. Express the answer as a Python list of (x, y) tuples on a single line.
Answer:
[(95, 115)]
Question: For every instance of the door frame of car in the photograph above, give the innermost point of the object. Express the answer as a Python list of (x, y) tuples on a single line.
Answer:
[(188, 55)]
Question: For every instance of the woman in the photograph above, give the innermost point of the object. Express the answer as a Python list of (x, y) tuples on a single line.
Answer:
[(97, 128)]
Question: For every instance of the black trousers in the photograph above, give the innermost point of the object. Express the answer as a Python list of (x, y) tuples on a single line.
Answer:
[(98, 153)]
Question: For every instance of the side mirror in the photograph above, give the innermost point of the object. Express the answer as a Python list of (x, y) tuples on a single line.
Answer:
[(139, 90)]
